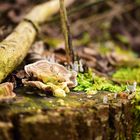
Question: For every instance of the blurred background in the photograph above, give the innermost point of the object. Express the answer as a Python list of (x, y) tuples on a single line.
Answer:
[(101, 19), (97, 27)]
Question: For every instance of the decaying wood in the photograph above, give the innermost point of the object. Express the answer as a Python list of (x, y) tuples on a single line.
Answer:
[(15, 47)]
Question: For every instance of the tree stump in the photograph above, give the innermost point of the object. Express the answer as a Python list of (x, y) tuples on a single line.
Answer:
[(76, 117)]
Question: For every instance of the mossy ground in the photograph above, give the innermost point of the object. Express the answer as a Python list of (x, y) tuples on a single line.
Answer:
[(90, 82), (127, 74)]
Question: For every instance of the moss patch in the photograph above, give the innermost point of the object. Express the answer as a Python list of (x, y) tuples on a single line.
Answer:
[(90, 82), (127, 74)]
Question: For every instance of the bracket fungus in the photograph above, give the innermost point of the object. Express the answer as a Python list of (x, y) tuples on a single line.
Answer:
[(50, 76), (6, 91)]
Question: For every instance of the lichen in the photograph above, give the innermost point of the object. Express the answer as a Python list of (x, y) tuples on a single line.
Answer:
[(91, 82)]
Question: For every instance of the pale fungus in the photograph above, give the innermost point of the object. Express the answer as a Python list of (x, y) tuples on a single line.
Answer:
[(6, 91), (50, 77)]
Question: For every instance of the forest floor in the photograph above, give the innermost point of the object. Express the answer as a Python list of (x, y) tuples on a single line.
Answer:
[(106, 41)]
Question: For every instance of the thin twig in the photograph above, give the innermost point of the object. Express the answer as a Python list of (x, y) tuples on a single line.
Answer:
[(66, 32)]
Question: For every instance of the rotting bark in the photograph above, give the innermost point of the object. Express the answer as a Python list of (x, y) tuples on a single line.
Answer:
[(15, 47)]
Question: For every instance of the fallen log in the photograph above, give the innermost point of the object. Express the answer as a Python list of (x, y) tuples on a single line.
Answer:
[(15, 47)]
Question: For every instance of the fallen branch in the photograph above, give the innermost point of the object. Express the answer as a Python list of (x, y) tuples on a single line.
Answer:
[(15, 47)]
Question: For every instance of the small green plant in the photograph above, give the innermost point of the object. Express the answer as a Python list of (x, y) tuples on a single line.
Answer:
[(85, 81), (90, 82)]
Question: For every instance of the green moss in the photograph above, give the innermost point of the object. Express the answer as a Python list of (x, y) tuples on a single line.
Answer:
[(91, 82), (84, 81), (29, 100), (127, 74), (25, 105)]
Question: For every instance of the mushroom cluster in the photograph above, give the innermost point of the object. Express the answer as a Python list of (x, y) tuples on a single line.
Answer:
[(50, 76)]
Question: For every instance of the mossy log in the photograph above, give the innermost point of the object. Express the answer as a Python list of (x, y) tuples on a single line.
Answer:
[(76, 117), (15, 47)]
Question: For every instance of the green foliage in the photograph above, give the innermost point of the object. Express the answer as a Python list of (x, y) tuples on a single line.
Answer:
[(85, 81), (91, 82)]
